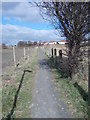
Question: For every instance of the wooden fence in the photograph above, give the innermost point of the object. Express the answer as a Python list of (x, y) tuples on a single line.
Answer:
[(24, 53)]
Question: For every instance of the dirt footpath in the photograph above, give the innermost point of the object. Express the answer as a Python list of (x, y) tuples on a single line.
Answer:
[(46, 102)]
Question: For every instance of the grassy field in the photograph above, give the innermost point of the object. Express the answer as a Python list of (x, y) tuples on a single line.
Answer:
[(12, 80), (7, 57), (75, 92)]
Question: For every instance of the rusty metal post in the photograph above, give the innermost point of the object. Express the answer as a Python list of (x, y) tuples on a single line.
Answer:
[(60, 55), (60, 59), (55, 54), (52, 52)]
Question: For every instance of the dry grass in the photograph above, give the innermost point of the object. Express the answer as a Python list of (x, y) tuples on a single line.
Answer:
[(11, 81)]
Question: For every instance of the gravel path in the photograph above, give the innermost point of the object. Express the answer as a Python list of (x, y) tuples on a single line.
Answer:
[(46, 102)]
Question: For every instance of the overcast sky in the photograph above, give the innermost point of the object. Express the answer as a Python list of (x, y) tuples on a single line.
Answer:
[(20, 21)]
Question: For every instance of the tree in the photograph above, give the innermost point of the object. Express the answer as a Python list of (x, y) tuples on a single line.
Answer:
[(29, 43), (20, 44), (73, 19), (35, 43), (4, 46)]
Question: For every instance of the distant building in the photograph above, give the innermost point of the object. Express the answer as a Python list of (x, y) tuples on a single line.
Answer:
[(62, 42), (52, 42), (45, 43), (42, 43)]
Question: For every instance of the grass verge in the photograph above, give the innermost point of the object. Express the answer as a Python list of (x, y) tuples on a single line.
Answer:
[(70, 93), (10, 86)]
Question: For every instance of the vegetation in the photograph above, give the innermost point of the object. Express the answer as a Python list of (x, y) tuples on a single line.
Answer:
[(72, 18), (26, 44), (74, 94), (11, 82), (4, 46)]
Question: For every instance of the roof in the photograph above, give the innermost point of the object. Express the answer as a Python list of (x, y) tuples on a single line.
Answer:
[(52, 41), (62, 41)]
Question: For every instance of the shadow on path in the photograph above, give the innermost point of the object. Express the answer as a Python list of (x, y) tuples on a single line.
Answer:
[(16, 96)]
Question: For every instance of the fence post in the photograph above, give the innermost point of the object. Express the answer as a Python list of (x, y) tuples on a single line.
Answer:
[(14, 56), (45, 50), (28, 53), (24, 54), (60, 59), (55, 53), (52, 52), (60, 55)]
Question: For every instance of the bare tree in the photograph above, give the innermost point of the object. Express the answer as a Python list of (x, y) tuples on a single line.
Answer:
[(73, 19), (35, 43), (20, 44), (4, 46)]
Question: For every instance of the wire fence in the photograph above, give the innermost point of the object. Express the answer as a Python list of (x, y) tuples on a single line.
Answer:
[(12, 56)]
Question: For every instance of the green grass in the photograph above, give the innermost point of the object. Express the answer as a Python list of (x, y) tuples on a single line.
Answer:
[(8, 92), (68, 92), (25, 94), (24, 98)]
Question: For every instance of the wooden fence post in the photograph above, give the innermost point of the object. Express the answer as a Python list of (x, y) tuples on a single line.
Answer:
[(52, 52), (28, 53), (24, 54), (14, 56)]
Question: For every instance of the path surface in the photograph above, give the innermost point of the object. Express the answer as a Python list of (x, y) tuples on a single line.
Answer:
[(46, 102)]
